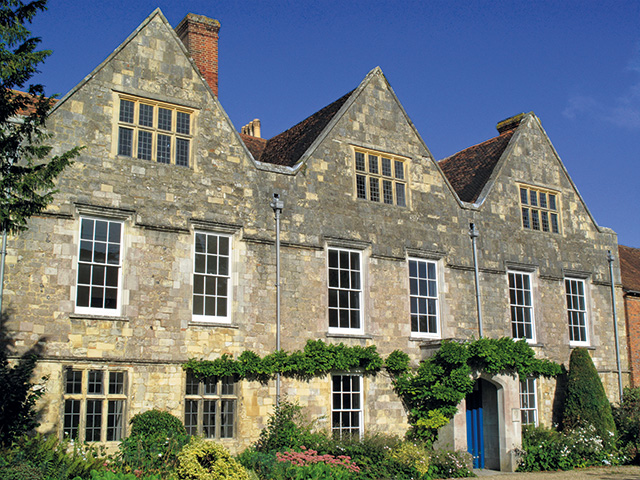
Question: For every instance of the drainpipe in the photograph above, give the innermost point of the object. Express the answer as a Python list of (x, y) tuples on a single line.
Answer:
[(610, 259), (277, 205), (3, 256), (473, 233)]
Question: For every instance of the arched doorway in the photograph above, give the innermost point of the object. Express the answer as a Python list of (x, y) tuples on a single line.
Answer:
[(483, 429)]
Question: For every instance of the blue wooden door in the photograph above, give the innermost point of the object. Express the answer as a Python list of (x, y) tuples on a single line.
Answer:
[(475, 440)]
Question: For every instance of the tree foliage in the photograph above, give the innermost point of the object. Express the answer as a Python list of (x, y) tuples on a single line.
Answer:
[(27, 173), (586, 403)]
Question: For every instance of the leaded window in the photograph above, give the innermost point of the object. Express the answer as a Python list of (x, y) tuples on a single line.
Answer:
[(154, 131), (539, 209), (210, 406), (380, 178)]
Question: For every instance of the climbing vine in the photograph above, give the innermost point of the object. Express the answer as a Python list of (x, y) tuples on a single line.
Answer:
[(431, 392)]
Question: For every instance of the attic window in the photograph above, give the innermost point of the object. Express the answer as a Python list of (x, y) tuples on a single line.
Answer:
[(380, 178), (154, 131), (539, 209)]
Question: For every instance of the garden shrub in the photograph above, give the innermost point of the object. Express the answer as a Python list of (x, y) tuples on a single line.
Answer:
[(49, 458), (586, 402), (202, 460), (109, 475), (413, 455), (155, 440), (627, 419), (450, 464), (547, 449), (156, 422), (285, 429)]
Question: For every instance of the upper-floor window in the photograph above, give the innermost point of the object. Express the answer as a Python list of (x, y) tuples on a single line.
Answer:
[(154, 131), (380, 178), (345, 291), (521, 306), (99, 267), (94, 405), (210, 406), (576, 310), (539, 209), (423, 295), (212, 277)]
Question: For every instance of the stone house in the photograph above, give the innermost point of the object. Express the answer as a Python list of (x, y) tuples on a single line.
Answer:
[(630, 273), (160, 247)]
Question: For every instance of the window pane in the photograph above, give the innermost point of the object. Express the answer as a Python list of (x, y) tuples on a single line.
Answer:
[(386, 167), (183, 122), (400, 196), (71, 418), (399, 169), (125, 141), (93, 422), (126, 111), (146, 115), (360, 166), (374, 190), (145, 141), (115, 420), (182, 152), (164, 119), (164, 149), (373, 164), (361, 186), (95, 382)]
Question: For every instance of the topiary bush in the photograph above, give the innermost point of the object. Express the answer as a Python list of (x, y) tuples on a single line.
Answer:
[(156, 422), (586, 402), (153, 445), (202, 460)]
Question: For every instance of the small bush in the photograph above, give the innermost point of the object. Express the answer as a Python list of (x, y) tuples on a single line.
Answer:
[(627, 418), (586, 403), (156, 422), (447, 464), (412, 455), (285, 429), (547, 449), (153, 445), (49, 458), (109, 475), (202, 460)]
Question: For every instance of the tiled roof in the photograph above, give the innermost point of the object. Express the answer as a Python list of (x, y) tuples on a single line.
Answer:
[(468, 171), (30, 107), (255, 145), (630, 267), (287, 148)]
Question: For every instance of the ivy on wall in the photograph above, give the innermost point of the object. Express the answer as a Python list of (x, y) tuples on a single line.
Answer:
[(431, 393)]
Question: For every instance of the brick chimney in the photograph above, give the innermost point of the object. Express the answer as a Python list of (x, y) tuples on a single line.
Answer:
[(200, 35)]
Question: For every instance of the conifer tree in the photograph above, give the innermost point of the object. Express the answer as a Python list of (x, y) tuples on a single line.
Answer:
[(586, 403), (27, 172)]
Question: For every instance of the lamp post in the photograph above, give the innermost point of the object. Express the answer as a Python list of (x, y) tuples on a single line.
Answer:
[(277, 205), (473, 234), (610, 259)]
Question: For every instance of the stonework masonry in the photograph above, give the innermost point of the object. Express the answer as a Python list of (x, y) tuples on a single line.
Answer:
[(225, 191)]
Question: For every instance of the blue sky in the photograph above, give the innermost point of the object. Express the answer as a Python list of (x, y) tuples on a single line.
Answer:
[(457, 67)]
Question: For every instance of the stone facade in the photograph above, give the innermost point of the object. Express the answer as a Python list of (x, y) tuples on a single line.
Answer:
[(225, 190)]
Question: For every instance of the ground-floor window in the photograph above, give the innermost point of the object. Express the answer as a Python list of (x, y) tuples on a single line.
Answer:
[(528, 402), (94, 405), (346, 407), (210, 406)]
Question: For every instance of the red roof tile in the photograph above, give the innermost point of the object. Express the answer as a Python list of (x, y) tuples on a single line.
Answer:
[(287, 147), (630, 267), (469, 171), (256, 145)]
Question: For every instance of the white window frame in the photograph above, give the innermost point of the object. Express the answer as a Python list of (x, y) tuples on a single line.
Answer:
[(529, 401), (218, 397), (421, 294), (197, 291), (104, 398), (338, 405), (350, 291), (576, 311), (522, 304), (80, 261)]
